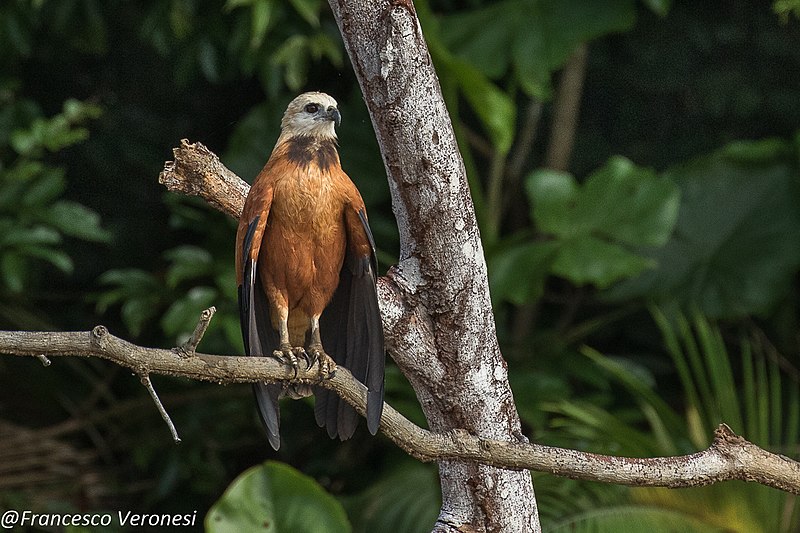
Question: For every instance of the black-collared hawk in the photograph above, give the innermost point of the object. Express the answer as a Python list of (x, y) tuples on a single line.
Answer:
[(306, 270)]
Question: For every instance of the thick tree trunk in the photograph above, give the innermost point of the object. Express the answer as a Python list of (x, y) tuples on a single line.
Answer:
[(441, 328)]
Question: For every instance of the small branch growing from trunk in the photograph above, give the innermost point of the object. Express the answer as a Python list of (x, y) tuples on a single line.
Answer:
[(197, 171), (188, 348)]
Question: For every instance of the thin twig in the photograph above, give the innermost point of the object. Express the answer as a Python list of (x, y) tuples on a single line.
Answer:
[(189, 347), (145, 378)]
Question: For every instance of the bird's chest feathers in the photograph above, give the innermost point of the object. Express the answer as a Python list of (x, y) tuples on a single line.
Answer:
[(306, 199)]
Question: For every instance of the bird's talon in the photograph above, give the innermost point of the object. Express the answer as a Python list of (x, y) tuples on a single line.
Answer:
[(286, 355), (327, 366), (310, 357)]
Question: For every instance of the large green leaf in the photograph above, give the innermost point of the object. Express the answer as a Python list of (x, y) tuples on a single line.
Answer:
[(593, 228), (308, 9), (13, 271), (620, 201), (77, 221), (482, 37), (588, 260), (274, 498), (552, 193), (628, 204), (138, 291), (736, 245), (22, 237), (534, 259), (531, 38), (44, 190), (187, 262), (263, 14)]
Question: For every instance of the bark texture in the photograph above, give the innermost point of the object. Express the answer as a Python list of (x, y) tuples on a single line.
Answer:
[(443, 335)]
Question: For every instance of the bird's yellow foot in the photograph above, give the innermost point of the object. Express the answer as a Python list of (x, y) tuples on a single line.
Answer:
[(327, 366), (288, 355)]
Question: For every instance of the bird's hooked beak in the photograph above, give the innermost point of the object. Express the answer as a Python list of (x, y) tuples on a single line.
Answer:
[(333, 115)]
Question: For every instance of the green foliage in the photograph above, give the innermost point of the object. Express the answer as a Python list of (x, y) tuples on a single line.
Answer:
[(494, 108), (753, 396), (758, 404), (276, 497), (734, 251), (633, 519), (297, 53), (591, 228), (660, 7), (707, 372), (406, 500), (34, 216), (530, 39), (55, 133), (784, 8), (20, 19), (276, 41), (192, 281), (736, 246)]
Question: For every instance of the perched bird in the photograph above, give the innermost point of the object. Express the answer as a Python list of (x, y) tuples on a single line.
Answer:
[(306, 270)]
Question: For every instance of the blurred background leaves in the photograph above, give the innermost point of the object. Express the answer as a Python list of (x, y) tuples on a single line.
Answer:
[(634, 167)]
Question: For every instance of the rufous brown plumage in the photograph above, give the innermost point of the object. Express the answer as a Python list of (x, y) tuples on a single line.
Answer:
[(306, 270)]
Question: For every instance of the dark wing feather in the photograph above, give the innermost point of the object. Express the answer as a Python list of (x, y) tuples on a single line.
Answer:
[(333, 328), (259, 336), (377, 359), (352, 334)]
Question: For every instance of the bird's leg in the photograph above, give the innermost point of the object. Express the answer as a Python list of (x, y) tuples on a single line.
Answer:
[(327, 366), (285, 353)]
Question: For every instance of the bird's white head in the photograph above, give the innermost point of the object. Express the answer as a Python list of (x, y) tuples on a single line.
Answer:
[(311, 114)]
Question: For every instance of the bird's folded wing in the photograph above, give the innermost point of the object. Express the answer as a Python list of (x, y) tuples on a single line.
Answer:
[(259, 336), (352, 332)]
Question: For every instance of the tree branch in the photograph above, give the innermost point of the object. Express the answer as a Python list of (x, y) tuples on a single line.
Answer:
[(197, 171), (729, 456), (148, 384), (190, 346)]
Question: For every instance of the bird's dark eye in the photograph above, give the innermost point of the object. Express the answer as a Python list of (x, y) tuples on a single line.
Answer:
[(312, 108)]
